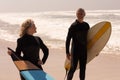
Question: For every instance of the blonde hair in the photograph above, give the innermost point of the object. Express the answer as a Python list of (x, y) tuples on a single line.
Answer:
[(25, 25)]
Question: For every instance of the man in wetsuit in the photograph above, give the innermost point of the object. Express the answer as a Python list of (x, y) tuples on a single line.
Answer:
[(78, 33)]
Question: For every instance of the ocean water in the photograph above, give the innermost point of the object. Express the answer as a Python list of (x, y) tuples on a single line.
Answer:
[(52, 26)]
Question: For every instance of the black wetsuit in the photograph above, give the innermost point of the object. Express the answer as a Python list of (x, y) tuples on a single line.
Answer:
[(78, 33), (30, 47)]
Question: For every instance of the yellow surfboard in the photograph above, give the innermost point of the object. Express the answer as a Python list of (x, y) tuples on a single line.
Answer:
[(98, 36)]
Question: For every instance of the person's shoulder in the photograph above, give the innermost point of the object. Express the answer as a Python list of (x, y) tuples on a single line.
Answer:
[(73, 25), (19, 39), (86, 23), (37, 37)]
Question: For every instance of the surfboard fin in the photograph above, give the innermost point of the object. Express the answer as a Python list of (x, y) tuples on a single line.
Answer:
[(66, 73)]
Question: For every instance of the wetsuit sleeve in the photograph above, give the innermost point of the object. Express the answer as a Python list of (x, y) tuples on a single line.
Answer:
[(18, 49), (68, 39), (88, 26), (45, 51)]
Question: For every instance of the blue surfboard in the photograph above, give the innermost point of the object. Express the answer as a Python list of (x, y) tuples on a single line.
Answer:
[(28, 70), (36, 75)]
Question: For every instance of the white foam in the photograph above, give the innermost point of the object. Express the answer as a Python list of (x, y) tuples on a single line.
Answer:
[(55, 25), (7, 36)]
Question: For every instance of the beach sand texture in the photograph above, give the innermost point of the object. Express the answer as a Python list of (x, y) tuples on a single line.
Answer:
[(103, 67)]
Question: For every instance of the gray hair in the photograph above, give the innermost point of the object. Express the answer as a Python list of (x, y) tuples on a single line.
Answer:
[(80, 10)]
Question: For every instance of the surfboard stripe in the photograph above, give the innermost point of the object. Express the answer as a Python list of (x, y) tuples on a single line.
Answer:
[(36, 75), (98, 35), (21, 65)]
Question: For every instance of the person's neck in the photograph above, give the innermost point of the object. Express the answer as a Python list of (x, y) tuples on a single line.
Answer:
[(30, 34), (80, 20)]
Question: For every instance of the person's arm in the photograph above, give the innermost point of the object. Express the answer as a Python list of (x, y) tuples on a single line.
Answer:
[(45, 51), (68, 39), (18, 49)]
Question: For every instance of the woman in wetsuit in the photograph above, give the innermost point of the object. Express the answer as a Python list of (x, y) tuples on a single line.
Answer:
[(30, 45), (78, 33)]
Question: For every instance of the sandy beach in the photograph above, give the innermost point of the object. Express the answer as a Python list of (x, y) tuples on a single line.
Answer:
[(103, 67)]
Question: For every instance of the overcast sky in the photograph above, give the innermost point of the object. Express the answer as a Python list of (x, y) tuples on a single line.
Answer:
[(53, 5)]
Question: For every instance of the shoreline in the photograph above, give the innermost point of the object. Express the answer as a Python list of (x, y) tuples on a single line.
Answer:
[(104, 66)]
